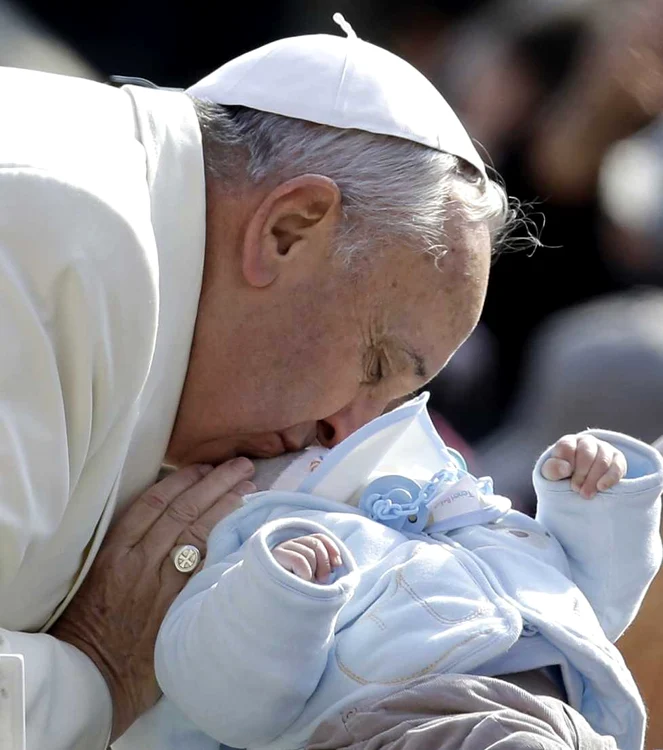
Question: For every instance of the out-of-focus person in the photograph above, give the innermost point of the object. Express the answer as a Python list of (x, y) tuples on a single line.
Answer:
[(26, 43), (599, 363), (600, 141)]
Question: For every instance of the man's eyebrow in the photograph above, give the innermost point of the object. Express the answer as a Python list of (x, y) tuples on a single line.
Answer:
[(418, 361)]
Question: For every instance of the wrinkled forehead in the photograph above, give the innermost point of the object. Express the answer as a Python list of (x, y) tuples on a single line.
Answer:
[(430, 325), (410, 279)]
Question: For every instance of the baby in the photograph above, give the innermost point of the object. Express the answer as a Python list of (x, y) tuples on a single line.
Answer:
[(383, 563)]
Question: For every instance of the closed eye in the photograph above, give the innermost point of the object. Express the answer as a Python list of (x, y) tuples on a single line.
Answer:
[(376, 368)]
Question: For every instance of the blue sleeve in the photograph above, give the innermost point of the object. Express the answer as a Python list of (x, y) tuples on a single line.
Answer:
[(612, 542), (243, 648)]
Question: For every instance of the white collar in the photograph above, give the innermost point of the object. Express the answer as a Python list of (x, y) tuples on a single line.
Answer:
[(168, 129)]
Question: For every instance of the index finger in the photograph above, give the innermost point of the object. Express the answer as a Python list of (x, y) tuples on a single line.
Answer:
[(565, 448), (140, 515), (190, 506)]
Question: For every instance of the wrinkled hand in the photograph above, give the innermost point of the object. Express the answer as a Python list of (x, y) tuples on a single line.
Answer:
[(115, 616), (309, 557), (592, 464)]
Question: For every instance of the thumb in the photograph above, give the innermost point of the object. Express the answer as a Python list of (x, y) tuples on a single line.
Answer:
[(555, 469)]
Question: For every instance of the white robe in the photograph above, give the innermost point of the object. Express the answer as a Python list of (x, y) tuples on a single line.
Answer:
[(102, 233)]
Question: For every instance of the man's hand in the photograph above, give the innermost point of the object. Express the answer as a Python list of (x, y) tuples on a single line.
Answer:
[(592, 465), (115, 616), (309, 557)]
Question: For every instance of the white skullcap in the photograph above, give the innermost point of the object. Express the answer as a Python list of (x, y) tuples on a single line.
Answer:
[(344, 83)]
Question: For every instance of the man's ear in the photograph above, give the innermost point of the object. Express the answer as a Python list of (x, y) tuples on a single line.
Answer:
[(295, 222)]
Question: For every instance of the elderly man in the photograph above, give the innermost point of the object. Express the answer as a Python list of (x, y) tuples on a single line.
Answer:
[(275, 255)]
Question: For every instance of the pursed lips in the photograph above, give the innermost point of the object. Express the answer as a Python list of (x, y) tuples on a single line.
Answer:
[(296, 442)]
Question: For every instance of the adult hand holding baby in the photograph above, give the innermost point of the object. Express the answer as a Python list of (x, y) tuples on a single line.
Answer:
[(591, 464), (115, 616)]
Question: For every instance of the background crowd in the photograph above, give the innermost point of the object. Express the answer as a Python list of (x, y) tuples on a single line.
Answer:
[(565, 98)]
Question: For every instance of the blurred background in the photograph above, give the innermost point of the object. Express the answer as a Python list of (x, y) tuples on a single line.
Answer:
[(565, 98)]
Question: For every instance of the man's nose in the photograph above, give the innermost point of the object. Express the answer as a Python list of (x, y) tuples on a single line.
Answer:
[(347, 420)]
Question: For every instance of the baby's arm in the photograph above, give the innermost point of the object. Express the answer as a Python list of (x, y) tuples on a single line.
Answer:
[(244, 646), (592, 465), (612, 540)]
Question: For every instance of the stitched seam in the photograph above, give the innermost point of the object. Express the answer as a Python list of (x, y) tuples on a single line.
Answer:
[(400, 581), (400, 680), (376, 620), (571, 726)]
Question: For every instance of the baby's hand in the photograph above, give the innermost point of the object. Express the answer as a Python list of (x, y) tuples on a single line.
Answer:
[(309, 557), (592, 464)]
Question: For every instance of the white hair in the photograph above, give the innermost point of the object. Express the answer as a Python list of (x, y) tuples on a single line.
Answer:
[(392, 189)]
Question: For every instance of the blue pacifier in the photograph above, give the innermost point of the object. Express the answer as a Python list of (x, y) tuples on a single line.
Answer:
[(395, 501)]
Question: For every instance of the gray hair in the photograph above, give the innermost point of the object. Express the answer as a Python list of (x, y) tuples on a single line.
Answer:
[(392, 189)]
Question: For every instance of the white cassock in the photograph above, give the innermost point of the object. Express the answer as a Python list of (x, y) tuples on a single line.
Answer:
[(102, 232)]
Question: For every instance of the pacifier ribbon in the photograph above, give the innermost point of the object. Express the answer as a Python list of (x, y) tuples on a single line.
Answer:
[(453, 498)]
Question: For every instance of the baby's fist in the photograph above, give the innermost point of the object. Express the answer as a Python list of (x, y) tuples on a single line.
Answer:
[(310, 557), (592, 464)]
